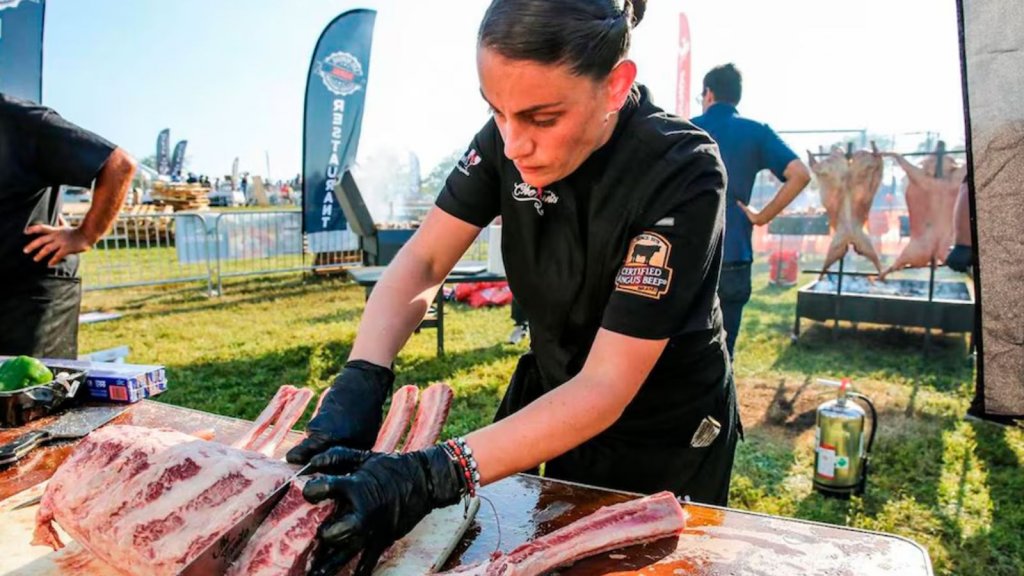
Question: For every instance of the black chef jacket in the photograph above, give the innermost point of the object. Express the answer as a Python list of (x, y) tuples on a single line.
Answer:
[(39, 152), (630, 242)]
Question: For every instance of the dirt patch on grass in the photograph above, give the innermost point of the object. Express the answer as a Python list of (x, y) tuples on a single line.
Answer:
[(785, 407)]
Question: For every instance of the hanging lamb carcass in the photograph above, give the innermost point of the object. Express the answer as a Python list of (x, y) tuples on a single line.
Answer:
[(931, 196), (848, 184)]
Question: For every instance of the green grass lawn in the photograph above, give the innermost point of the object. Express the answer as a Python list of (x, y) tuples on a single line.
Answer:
[(953, 486)]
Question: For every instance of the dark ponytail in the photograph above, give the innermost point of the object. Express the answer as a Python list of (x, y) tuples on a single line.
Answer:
[(589, 36)]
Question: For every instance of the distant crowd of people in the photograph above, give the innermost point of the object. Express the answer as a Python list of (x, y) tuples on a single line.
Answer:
[(276, 192), (194, 179)]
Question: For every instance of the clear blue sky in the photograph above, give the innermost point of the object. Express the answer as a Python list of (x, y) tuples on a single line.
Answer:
[(229, 75)]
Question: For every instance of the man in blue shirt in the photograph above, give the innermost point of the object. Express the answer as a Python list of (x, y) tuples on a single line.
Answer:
[(747, 147)]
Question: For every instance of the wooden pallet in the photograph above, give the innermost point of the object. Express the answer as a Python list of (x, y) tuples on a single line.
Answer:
[(157, 227), (335, 263), (181, 196)]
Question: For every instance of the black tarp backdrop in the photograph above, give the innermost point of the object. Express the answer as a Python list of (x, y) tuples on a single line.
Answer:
[(992, 52), (335, 93), (21, 48)]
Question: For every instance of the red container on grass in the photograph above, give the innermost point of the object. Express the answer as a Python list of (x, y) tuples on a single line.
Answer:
[(784, 267)]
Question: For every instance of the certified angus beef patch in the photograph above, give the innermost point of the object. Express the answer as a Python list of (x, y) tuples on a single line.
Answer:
[(646, 270)]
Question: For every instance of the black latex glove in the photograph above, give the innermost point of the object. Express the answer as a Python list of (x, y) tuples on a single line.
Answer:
[(351, 413), (380, 500), (960, 258)]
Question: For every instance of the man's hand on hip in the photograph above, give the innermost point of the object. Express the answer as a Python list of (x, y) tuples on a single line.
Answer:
[(55, 242), (756, 218)]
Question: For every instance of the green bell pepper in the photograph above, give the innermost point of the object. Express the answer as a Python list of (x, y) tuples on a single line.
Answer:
[(22, 372)]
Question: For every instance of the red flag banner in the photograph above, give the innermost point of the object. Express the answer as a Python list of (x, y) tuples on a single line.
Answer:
[(683, 78)]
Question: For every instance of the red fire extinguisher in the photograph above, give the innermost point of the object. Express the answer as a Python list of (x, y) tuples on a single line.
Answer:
[(783, 267)]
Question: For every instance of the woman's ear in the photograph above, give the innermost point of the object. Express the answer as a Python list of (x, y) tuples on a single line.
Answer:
[(620, 81)]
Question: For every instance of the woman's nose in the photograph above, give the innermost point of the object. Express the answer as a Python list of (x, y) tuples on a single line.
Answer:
[(517, 141)]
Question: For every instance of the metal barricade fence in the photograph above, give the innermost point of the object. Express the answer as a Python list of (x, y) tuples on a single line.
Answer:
[(172, 248), (148, 250), (263, 242), (270, 242)]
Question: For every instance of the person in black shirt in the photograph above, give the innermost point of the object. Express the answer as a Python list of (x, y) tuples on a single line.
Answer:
[(40, 295), (612, 214)]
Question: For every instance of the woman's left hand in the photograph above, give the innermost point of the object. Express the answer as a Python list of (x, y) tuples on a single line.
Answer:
[(379, 498)]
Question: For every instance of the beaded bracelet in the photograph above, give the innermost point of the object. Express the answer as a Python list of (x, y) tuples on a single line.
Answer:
[(462, 454)]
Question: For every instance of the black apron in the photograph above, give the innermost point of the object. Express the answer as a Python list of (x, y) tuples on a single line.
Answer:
[(39, 317), (645, 458)]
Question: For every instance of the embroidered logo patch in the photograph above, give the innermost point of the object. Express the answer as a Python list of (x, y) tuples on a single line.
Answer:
[(523, 192), (468, 161), (646, 270)]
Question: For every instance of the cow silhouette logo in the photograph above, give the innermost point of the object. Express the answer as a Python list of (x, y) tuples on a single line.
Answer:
[(644, 252), (645, 271)]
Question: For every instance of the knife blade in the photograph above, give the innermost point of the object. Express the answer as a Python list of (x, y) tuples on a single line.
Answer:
[(215, 559), (28, 503), (73, 424)]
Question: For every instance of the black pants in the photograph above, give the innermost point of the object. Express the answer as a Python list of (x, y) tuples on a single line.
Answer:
[(518, 314), (39, 317), (644, 464), (733, 294)]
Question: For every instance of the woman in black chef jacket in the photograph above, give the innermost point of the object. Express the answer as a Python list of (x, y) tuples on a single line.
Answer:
[(612, 217)]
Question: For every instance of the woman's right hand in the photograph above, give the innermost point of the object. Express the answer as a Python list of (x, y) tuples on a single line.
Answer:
[(379, 499), (351, 412)]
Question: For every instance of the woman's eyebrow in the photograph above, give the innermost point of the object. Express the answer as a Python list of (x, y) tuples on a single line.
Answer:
[(527, 112)]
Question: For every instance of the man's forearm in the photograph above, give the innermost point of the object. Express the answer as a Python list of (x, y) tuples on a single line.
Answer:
[(782, 198), (797, 177), (112, 185)]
